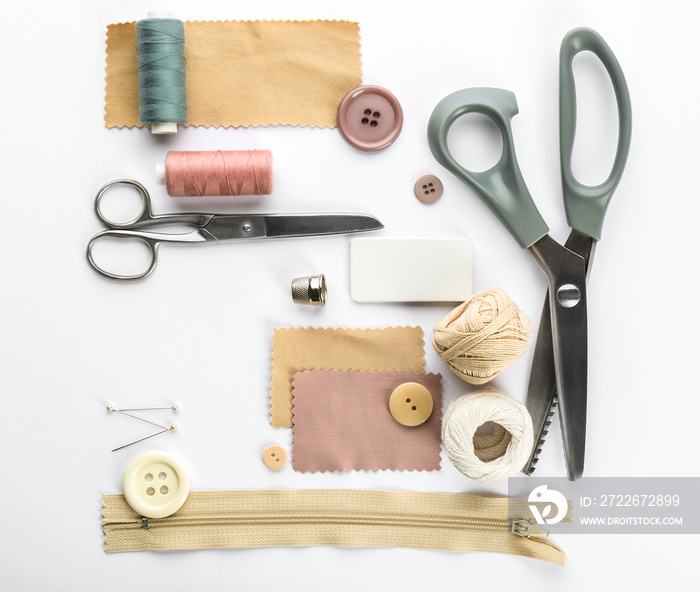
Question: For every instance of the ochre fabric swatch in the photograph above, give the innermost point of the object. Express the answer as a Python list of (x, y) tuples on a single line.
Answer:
[(342, 423), (242, 73), (298, 349)]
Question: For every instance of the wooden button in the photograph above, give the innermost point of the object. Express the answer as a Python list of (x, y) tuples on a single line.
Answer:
[(275, 457), (411, 404)]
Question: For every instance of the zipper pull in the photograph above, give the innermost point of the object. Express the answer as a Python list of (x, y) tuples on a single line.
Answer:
[(524, 528)]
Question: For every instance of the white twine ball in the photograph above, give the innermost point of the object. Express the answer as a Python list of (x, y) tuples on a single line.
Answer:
[(496, 457)]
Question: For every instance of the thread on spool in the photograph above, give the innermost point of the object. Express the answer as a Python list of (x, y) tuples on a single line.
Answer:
[(219, 172), (161, 63), (495, 457), (483, 336)]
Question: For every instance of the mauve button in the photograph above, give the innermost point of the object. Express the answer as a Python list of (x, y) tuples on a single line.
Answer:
[(370, 118), (428, 189)]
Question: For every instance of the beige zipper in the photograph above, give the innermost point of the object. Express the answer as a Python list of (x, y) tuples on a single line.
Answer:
[(218, 519), (518, 527)]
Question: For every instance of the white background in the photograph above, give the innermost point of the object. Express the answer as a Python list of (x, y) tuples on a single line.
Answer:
[(199, 330)]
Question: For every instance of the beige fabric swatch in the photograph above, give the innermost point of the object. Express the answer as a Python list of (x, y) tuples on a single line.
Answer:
[(342, 422), (242, 73), (298, 349)]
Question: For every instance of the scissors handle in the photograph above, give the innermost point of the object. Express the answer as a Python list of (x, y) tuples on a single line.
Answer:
[(145, 218), (151, 239), (151, 242), (502, 186), (586, 205)]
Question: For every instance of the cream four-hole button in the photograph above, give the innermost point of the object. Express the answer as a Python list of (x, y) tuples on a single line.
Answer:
[(156, 484), (411, 404)]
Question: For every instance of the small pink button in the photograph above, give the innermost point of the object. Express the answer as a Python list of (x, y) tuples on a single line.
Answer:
[(370, 118), (428, 189)]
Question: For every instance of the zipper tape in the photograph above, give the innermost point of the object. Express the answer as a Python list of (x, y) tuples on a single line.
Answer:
[(329, 517)]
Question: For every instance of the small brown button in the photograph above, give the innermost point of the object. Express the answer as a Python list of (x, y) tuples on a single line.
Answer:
[(370, 118), (411, 404), (275, 457), (428, 189)]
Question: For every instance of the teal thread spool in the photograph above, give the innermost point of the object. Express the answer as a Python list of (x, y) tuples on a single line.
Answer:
[(161, 61)]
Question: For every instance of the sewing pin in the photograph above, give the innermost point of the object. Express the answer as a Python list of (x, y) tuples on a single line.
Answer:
[(174, 408), (172, 428)]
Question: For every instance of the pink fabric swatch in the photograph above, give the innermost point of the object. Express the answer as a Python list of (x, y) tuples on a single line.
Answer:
[(342, 423)]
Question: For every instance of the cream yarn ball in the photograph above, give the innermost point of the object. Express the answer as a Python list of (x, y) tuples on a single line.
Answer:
[(493, 458), (483, 336)]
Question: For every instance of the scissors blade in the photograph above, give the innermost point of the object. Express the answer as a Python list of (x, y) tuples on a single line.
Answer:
[(566, 271), (280, 226), (541, 399), (542, 389), (241, 226)]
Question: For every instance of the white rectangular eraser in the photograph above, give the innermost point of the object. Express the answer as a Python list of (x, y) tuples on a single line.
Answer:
[(410, 269)]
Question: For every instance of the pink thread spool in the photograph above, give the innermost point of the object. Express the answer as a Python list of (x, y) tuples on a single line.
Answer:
[(217, 172)]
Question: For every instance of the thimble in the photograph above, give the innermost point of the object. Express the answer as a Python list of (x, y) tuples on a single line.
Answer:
[(309, 290)]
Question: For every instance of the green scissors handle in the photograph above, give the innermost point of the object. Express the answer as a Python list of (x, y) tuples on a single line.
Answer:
[(586, 205), (502, 186)]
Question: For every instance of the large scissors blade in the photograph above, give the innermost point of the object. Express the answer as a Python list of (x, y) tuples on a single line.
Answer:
[(566, 272), (241, 226), (541, 398)]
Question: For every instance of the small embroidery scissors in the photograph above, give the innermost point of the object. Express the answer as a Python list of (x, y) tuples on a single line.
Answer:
[(560, 366), (215, 227)]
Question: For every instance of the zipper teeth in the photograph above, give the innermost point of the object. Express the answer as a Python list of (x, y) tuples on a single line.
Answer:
[(322, 518)]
